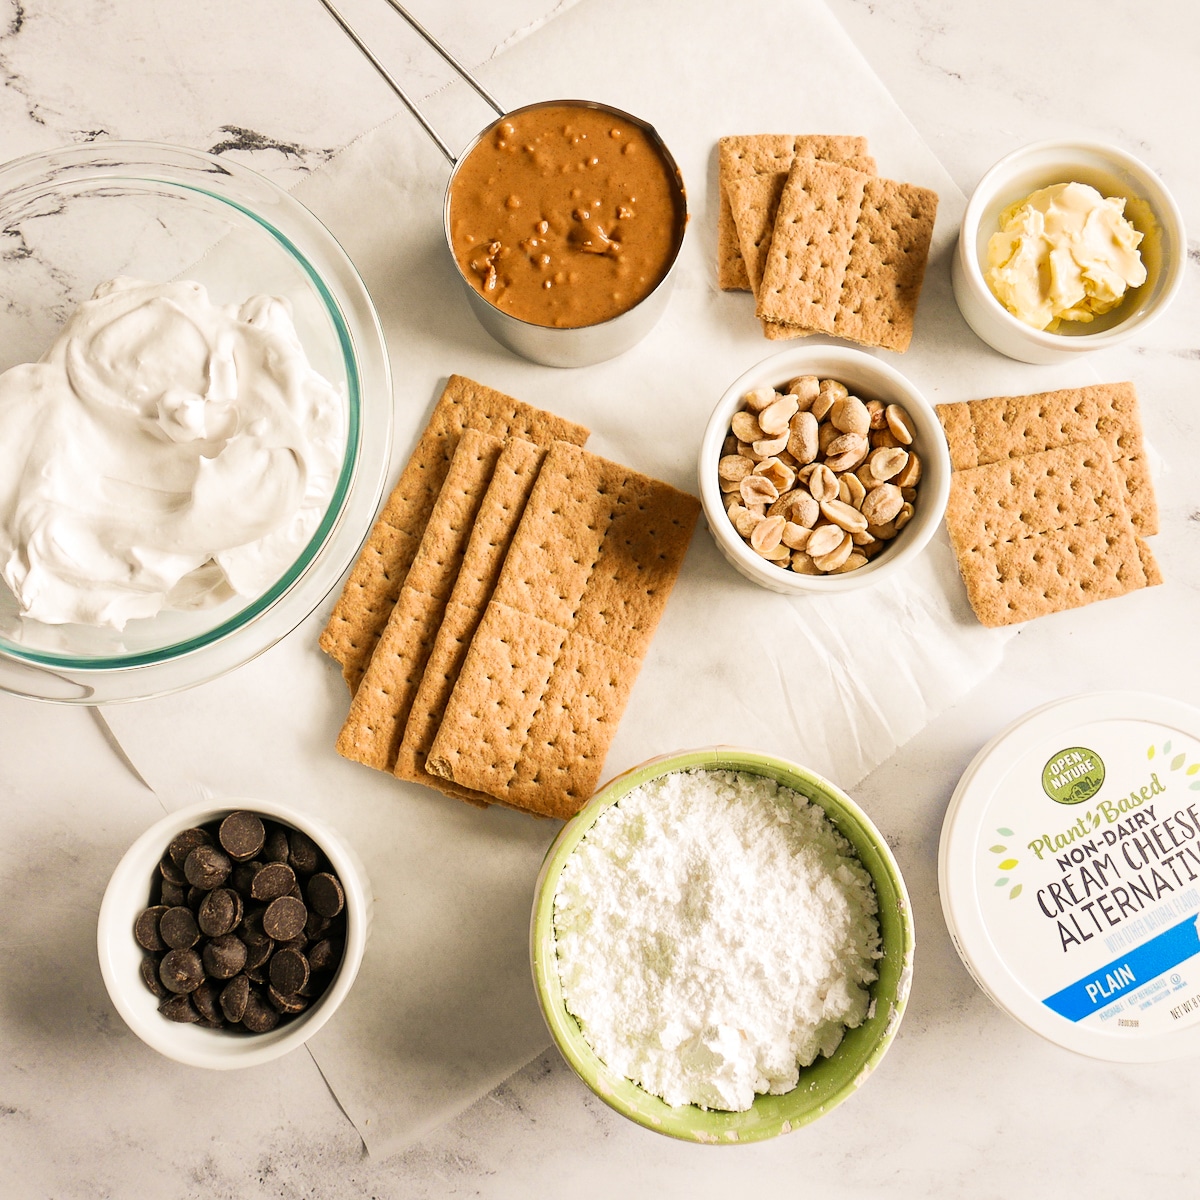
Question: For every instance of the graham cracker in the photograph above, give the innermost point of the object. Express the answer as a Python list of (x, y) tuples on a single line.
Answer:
[(550, 668), (1003, 427), (754, 203), (810, 247), (380, 707), (748, 155), (883, 278), (366, 602), (1045, 532), (499, 514)]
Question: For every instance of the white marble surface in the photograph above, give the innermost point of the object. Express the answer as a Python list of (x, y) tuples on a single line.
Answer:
[(967, 1103)]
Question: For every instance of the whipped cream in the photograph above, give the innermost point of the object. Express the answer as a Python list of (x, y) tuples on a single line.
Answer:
[(165, 452)]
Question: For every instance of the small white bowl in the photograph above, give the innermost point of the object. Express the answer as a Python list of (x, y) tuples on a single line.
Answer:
[(1112, 172), (120, 955), (870, 379)]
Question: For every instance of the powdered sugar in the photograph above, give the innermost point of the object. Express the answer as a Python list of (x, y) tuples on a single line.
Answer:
[(715, 933)]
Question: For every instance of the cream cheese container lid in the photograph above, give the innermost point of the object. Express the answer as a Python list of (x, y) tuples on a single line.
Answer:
[(1069, 871)]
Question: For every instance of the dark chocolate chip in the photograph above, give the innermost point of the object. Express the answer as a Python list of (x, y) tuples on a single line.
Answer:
[(274, 880), (275, 847), (242, 835), (178, 929), (259, 974), (194, 897), (243, 877), (171, 894), (182, 844), (299, 944), (233, 998), (170, 872), (325, 894), (220, 912), (315, 926), (150, 976), (259, 948), (207, 867), (181, 971), (259, 1017), (303, 856), (289, 971), (284, 918), (325, 955), (179, 1008), (225, 956), (145, 928), (205, 1000), (285, 1003)]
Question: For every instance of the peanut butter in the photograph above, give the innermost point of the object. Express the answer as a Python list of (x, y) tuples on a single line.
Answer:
[(566, 215)]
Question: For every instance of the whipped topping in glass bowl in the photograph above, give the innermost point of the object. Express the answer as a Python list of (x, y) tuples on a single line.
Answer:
[(165, 452)]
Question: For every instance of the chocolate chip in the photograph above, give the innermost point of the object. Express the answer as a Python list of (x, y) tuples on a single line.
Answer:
[(289, 971), (259, 948), (220, 912), (194, 896), (243, 877), (276, 848), (303, 855), (182, 844), (284, 1003), (181, 971), (242, 835), (284, 918), (179, 1008), (178, 929), (171, 894), (145, 928), (150, 976), (205, 1000), (325, 894), (233, 998), (259, 1017), (325, 955), (315, 926), (224, 956), (171, 873), (274, 880), (207, 867)]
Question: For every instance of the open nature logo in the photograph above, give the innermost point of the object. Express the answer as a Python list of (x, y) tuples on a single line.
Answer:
[(1073, 776)]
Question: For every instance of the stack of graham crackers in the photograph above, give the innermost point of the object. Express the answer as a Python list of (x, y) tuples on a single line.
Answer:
[(824, 243), (495, 622), (1050, 500)]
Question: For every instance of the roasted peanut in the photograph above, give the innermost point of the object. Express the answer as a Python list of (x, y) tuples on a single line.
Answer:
[(775, 417)]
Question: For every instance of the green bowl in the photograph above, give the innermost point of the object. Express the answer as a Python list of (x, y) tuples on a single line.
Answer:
[(824, 1084)]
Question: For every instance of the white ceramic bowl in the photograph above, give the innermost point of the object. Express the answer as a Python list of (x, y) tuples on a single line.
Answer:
[(870, 379), (1112, 172), (120, 955)]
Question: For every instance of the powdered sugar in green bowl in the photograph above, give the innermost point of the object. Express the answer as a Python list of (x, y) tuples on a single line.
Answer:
[(636, 1008)]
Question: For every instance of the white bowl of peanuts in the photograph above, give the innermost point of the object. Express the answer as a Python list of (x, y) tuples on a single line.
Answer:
[(822, 469)]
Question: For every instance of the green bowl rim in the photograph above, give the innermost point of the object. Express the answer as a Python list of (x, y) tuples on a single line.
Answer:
[(824, 1083)]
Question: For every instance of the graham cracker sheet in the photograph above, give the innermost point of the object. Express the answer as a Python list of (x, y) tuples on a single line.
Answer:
[(499, 514), (550, 668), (846, 256), (1001, 427), (362, 611), (745, 156), (1045, 532), (380, 706)]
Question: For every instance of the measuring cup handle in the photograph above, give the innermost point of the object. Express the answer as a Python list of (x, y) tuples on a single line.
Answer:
[(390, 80)]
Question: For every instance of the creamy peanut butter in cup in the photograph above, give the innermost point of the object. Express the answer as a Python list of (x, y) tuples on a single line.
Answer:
[(565, 220)]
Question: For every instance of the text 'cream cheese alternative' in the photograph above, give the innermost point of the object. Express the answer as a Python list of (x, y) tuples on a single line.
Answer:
[(165, 453)]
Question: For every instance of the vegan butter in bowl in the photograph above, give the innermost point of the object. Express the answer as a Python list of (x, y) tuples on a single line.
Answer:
[(1069, 873), (1067, 247), (676, 920), (565, 219)]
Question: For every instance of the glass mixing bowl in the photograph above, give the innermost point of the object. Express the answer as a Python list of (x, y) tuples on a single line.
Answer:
[(73, 218)]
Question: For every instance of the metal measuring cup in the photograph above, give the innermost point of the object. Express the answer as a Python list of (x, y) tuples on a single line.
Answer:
[(551, 346)]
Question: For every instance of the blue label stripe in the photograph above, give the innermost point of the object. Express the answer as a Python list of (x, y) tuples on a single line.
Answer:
[(1100, 988)]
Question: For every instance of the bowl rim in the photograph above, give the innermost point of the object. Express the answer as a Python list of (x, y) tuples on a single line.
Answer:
[(355, 326), (126, 895), (935, 481), (869, 1042), (1165, 209)]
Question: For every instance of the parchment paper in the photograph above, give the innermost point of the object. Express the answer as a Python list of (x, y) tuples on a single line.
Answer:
[(444, 1008)]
